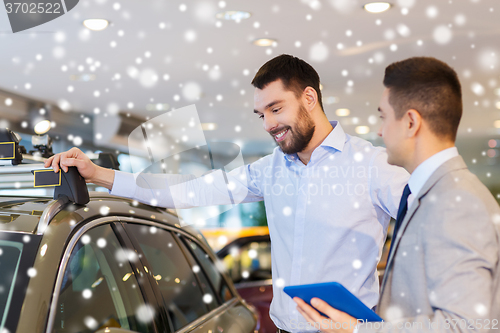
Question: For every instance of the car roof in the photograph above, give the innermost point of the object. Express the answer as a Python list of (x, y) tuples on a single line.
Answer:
[(26, 214), (33, 214), (239, 242), (21, 214), (230, 234)]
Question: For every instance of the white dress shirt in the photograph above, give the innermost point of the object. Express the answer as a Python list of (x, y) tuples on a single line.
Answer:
[(327, 219)]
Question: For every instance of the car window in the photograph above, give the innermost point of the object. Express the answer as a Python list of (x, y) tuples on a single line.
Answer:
[(210, 268), (10, 257), (182, 295), (250, 262), (17, 255), (199, 272), (100, 289)]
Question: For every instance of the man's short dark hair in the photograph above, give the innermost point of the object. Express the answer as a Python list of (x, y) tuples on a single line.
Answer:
[(429, 86), (295, 73)]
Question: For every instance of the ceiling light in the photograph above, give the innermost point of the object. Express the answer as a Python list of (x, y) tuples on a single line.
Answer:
[(96, 24), (233, 15), (42, 127), (264, 42), (496, 124), (320, 86), (362, 129), (208, 126), (342, 112), (497, 104), (377, 7)]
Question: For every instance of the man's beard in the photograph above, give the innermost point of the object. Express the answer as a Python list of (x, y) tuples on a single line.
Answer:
[(299, 136)]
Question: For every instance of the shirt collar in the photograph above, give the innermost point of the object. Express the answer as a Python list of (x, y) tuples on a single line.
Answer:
[(335, 139), (424, 171)]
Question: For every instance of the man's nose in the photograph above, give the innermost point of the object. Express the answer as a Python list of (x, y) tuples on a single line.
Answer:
[(270, 123)]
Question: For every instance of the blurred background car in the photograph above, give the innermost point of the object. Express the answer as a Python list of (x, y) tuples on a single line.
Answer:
[(248, 263)]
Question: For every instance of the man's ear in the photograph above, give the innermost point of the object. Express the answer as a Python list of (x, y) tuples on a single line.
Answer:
[(414, 121), (310, 97)]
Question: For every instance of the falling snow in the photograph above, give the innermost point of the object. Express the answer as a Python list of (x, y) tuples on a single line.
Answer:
[(318, 52), (145, 313), (287, 211)]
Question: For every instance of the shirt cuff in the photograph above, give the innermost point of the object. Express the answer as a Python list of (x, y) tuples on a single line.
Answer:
[(123, 184)]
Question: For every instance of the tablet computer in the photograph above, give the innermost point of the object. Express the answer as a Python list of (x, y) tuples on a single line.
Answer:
[(337, 296)]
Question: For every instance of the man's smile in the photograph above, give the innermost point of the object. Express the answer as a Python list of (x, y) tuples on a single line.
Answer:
[(280, 136)]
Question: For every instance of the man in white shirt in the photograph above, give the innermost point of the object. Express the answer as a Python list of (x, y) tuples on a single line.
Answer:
[(329, 196), (443, 270)]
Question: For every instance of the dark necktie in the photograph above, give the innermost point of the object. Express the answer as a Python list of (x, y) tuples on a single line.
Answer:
[(403, 208)]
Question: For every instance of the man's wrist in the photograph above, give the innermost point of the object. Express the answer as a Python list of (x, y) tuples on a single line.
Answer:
[(103, 177)]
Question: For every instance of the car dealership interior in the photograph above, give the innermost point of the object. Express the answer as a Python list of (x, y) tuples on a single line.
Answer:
[(164, 86)]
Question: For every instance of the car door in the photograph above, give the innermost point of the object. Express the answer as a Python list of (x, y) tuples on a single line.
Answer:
[(192, 303), (100, 285)]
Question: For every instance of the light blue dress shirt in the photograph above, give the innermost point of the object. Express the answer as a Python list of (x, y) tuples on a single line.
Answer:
[(327, 219), (425, 170)]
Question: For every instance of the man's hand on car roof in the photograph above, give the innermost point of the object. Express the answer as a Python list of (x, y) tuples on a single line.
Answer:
[(88, 170)]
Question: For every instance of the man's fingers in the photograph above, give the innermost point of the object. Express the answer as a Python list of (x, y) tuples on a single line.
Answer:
[(55, 162), (67, 162), (305, 315), (48, 162), (326, 308), (306, 309), (74, 152), (61, 160)]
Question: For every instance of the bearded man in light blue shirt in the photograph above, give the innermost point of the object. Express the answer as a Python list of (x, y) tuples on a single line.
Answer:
[(329, 196)]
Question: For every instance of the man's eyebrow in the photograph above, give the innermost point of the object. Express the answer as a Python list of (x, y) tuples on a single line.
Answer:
[(270, 105)]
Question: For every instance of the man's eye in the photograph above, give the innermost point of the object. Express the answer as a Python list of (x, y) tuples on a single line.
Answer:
[(276, 110), (261, 116)]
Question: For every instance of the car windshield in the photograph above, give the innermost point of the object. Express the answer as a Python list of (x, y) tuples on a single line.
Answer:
[(17, 252)]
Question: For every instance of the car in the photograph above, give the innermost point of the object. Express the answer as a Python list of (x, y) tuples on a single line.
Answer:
[(92, 262), (248, 263), (109, 263)]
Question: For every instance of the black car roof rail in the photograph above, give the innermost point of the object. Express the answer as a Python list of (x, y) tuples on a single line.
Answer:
[(72, 188)]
